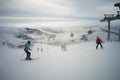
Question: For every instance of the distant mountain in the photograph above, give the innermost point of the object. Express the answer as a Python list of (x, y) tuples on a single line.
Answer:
[(52, 30), (54, 36), (33, 31)]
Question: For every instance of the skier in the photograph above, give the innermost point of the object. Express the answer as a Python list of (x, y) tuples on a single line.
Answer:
[(98, 42), (26, 49), (63, 47)]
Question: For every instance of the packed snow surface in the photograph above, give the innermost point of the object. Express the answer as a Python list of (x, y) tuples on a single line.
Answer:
[(80, 62)]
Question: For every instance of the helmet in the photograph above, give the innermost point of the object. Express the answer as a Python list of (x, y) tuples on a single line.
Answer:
[(29, 42)]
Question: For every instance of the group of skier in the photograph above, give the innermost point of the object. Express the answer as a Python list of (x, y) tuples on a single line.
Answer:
[(63, 47)]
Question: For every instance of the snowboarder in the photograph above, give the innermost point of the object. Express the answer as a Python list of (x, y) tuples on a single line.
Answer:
[(98, 42), (26, 49)]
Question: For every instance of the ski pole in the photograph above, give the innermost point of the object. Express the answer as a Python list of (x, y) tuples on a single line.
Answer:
[(22, 54)]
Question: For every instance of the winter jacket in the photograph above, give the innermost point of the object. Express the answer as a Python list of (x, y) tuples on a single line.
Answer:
[(98, 40), (27, 46)]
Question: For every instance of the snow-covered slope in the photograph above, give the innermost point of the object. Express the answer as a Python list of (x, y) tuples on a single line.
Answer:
[(80, 62), (55, 36)]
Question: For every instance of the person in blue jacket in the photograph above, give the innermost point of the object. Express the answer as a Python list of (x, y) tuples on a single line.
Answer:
[(26, 49)]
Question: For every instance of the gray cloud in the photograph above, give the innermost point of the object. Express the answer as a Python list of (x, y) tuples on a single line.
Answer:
[(57, 8)]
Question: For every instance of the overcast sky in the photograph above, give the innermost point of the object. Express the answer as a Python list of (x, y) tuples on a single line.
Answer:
[(71, 9)]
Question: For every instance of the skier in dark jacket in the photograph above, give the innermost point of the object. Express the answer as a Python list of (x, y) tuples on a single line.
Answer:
[(26, 49), (98, 42)]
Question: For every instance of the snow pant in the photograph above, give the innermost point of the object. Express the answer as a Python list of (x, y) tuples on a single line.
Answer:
[(28, 54), (99, 43)]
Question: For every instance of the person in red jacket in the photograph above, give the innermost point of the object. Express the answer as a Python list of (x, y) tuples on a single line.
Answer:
[(98, 42)]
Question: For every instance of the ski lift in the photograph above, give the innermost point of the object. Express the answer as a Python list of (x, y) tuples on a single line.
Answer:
[(90, 31), (117, 5)]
